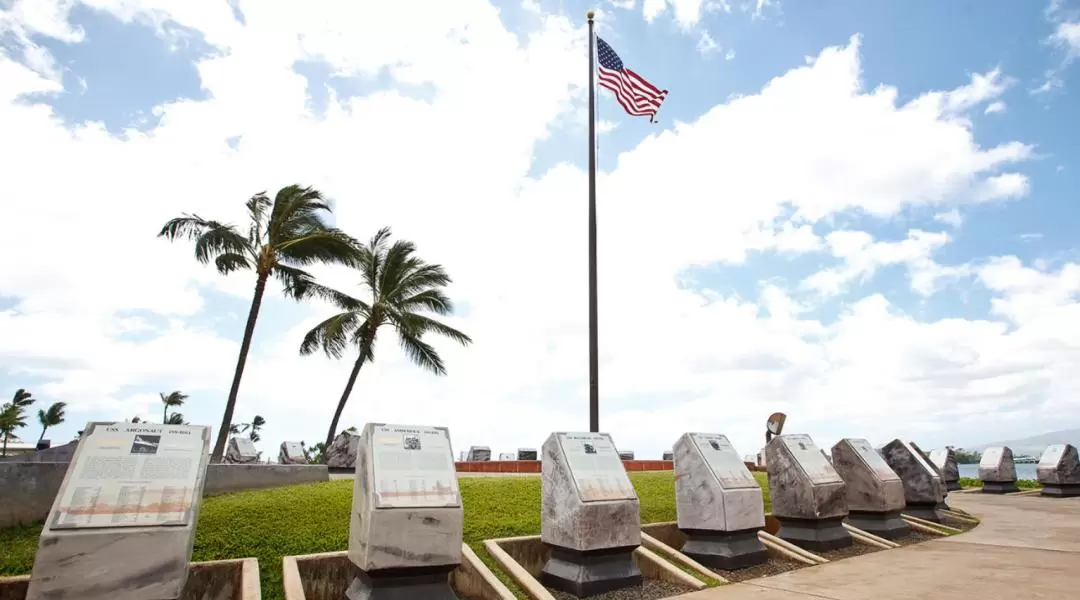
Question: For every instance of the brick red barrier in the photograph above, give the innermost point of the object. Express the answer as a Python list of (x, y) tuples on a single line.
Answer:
[(533, 466)]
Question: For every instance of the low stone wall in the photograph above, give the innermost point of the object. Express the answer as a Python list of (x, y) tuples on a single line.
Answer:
[(533, 466), (27, 489)]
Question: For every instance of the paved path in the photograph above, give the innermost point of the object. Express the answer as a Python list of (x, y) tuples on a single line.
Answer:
[(1025, 547)]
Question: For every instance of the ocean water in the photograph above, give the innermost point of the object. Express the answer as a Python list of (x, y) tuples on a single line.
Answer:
[(1025, 471)]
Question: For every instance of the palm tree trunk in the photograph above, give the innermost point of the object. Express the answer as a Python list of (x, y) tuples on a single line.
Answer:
[(4, 453), (165, 414), (43, 430), (344, 399), (245, 346)]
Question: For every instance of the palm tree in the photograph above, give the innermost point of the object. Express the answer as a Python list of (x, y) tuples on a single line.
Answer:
[(401, 286), (282, 236), (50, 418), (13, 416), (255, 425), (174, 398), (175, 419)]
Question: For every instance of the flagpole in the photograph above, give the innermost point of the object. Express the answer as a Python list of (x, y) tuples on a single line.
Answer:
[(594, 344)]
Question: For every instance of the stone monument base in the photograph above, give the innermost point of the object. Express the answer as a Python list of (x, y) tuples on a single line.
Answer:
[(889, 525), (590, 572), (422, 583), (815, 535), (1061, 490), (952, 486), (999, 487), (725, 550), (925, 511)]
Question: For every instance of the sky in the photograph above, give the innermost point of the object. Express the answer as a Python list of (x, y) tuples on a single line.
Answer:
[(860, 214)]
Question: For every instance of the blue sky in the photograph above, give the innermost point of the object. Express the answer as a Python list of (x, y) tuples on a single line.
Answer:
[(132, 64)]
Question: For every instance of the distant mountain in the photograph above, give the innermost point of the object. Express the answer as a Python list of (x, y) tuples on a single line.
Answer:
[(1034, 445)]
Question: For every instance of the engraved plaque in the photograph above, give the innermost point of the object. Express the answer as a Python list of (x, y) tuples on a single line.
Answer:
[(1052, 456), (413, 467), (873, 460), (991, 457), (246, 447), (294, 450), (132, 475), (597, 469), (724, 461), (809, 456)]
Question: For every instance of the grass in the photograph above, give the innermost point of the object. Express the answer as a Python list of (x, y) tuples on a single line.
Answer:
[(1024, 484), (271, 524)]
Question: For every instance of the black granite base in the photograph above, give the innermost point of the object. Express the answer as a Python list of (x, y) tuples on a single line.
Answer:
[(889, 525), (952, 486), (725, 550), (999, 487), (1061, 490), (926, 512), (427, 583), (815, 535), (585, 573)]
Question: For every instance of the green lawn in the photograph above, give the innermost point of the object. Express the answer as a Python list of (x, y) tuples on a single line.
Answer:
[(270, 524)]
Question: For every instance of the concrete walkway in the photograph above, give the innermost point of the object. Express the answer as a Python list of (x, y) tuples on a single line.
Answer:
[(1025, 547)]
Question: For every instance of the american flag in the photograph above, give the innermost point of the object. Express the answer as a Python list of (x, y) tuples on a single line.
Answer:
[(637, 96)]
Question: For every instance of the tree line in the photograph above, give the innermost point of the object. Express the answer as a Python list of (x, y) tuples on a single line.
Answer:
[(289, 233), (13, 417)]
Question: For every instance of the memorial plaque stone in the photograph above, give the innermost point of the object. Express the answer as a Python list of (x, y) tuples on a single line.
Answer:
[(937, 472), (526, 454), (1059, 471), (241, 451), (875, 494), (507, 456), (924, 491), (479, 454), (808, 496), (626, 454), (997, 470), (291, 453), (718, 502), (406, 525), (127, 508), (341, 454), (589, 518), (945, 460), (669, 455)]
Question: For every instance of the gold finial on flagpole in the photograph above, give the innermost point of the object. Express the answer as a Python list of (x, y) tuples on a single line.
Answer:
[(589, 15)]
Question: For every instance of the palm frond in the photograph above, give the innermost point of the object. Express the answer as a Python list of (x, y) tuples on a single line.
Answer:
[(296, 283), (54, 415), (175, 419), (211, 237), (294, 209), (397, 261), (419, 325), (257, 207), (332, 335), (329, 246), (431, 299), (421, 353), (22, 398), (371, 256), (229, 262)]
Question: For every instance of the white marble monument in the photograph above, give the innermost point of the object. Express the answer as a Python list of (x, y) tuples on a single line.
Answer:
[(808, 495), (341, 455), (1059, 471), (718, 503), (406, 526), (945, 460), (997, 470), (123, 522), (241, 451), (292, 453), (589, 515), (526, 454), (924, 491), (875, 493)]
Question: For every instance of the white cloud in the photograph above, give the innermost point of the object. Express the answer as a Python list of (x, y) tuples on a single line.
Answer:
[(707, 45), (983, 87), (994, 107), (764, 172), (1067, 37), (624, 4), (729, 55), (950, 217)]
